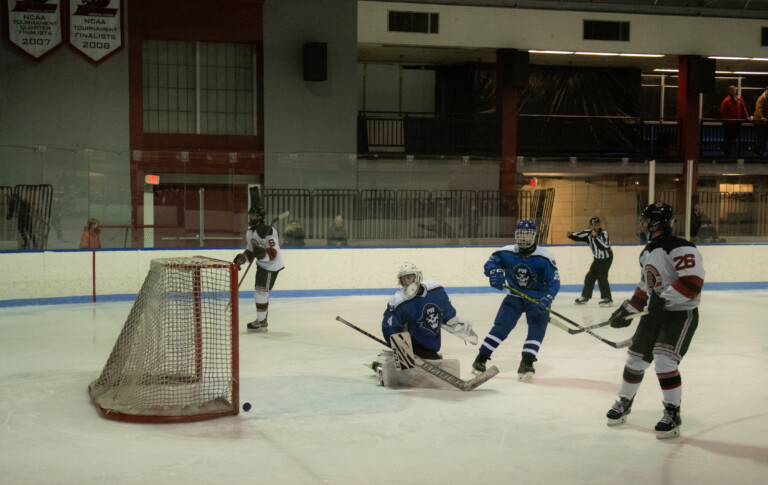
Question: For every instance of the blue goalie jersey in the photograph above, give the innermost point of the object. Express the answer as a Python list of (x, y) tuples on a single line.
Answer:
[(422, 316)]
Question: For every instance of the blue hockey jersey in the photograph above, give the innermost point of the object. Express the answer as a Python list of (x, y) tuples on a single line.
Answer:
[(422, 316), (534, 274)]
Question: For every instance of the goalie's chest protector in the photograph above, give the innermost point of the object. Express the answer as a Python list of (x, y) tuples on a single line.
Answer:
[(428, 313)]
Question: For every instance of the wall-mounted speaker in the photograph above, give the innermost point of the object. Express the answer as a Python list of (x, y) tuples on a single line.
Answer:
[(516, 69), (315, 61), (701, 75)]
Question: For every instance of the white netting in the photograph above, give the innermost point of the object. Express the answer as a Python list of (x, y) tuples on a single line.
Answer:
[(175, 356)]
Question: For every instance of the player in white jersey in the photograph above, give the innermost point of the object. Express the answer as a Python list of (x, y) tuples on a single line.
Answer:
[(264, 249), (670, 287)]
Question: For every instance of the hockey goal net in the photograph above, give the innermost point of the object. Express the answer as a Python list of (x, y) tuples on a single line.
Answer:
[(176, 358)]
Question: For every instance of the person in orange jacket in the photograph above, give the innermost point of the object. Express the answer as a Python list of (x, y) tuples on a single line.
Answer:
[(91, 238)]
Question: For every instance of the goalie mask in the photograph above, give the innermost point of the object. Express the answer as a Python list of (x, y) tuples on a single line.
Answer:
[(411, 288), (525, 236), (256, 216)]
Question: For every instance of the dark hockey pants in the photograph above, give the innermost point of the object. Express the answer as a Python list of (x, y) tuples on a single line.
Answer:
[(598, 271)]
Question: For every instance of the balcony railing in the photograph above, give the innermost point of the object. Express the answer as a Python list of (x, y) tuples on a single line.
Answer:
[(429, 134)]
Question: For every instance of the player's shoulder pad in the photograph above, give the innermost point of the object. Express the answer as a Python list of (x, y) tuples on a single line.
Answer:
[(431, 285), (396, 300), (544, 253), (511, 248), (264, 230), (673, 242)]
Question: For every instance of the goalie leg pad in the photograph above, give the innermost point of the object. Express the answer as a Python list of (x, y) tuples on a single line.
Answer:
[(417, 377)]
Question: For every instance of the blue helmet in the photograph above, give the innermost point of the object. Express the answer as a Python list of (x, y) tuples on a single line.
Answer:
[(525, 236)]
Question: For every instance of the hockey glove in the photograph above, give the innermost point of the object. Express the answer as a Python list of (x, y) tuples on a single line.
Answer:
[(497, 278), (545, 302), (490, 266), (239, 260), (618, 318)]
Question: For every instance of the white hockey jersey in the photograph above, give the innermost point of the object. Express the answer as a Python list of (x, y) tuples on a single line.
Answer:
[(264, 237), (673, 269)]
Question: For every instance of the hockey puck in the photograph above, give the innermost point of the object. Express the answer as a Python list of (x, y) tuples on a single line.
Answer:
[(247, 407)]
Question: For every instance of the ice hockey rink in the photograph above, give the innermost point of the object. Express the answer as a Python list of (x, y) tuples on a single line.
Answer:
[(319, 418)]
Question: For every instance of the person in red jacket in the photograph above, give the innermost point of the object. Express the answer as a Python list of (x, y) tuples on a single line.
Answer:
[(91, 238), (731, 109)]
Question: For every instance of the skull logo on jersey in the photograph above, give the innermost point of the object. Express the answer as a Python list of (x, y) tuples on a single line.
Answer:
[(523, 276), (653, 279), (431, 318)]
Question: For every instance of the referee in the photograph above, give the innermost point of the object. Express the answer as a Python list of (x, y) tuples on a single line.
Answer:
[(600, 245)]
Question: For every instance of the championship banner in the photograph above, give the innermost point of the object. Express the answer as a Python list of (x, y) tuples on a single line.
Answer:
[(34, 26), (96, 27)]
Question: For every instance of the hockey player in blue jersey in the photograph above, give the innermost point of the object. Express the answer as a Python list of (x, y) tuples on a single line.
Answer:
[(531, 270), (421, 308)]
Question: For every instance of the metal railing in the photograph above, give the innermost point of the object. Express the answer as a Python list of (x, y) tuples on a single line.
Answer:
[(427, 134)]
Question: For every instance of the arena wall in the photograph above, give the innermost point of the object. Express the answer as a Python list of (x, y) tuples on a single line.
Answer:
[(73, 276)]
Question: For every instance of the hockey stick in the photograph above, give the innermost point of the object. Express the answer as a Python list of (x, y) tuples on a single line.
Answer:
[(280, 217), (605, 323), (581, 328), (244, 273), (436, 371)]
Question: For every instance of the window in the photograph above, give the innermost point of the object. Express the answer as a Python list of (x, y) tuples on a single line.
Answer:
[(603, 30), (202, 88), (764, 37), (420, 22)]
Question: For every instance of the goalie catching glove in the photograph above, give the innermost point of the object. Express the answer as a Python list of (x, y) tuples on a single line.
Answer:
[(461, 329), (619, 317)]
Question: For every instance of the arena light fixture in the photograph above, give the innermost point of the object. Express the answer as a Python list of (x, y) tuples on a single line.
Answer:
[(597, 53), (626, 54), (729, 58)]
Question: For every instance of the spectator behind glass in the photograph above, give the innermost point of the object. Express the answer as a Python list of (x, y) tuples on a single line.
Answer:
[(702, 227), (731, 109), (337, 234), (294, 236), (761, 124), (91, 238)]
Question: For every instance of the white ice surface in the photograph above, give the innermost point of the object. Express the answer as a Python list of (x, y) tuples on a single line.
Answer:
[(318, 418)]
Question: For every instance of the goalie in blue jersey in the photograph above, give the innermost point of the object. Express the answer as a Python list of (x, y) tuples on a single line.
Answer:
[(423, 309), (531, 270)]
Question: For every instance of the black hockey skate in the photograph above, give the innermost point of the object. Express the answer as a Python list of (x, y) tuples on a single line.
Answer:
[(669, 426), (478, 367), (618, 413), (581, 300), (526, 370), (605, 302), (258, 326)]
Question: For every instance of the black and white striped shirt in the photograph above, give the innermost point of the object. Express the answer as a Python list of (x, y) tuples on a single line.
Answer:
[(600, 244)]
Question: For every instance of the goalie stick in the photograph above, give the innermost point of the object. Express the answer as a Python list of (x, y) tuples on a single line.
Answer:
[(405, 359), (580, 328)]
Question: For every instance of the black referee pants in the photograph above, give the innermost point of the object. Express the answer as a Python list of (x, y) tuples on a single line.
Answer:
[(598, 272)]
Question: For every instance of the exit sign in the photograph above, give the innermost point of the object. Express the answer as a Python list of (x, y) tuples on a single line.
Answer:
[(152, 179)]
